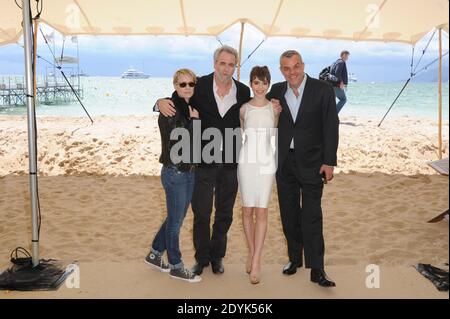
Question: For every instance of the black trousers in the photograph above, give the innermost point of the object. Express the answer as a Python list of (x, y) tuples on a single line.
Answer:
[(221, 184), (300, 195)]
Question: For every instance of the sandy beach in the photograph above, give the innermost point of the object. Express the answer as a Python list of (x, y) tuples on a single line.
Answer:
[(131, 145), (102, 201)]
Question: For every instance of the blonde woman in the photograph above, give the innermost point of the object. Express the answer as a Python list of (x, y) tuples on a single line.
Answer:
[(178, 180)]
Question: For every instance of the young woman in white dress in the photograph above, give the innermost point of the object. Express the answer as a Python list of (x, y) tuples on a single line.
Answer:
[(257, 166)]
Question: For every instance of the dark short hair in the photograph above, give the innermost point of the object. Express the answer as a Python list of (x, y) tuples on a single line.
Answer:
[(261, 73), (289, 54), (344, 52)]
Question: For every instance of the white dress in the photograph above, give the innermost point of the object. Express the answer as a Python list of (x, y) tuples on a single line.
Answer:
[(257, 163)]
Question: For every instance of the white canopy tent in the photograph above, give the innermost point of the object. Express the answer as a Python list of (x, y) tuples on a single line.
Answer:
[(402, 21)]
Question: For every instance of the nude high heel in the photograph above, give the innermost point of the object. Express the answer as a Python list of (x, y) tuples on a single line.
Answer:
[(248, 265), (255, 276)]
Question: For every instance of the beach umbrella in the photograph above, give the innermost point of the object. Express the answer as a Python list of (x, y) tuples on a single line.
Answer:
[(401, 21)]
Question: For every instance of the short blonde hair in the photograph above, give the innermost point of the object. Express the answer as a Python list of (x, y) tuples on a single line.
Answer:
[(186, 72)]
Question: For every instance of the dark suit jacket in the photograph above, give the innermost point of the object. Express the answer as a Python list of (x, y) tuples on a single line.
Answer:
[(316, 128), (204, 101)]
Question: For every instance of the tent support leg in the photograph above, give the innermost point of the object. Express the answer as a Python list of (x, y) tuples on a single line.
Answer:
[(36, 27), (240, 51), (27, 34), (32, 273), (440, 94)]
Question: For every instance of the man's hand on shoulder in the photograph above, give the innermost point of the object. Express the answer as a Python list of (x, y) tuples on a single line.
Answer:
[(276, 106), (166, 107)]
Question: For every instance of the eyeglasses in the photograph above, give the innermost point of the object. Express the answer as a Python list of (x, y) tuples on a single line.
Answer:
[(184, 84)]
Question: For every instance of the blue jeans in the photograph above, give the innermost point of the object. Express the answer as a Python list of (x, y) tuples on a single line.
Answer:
[(179, 186), (340, 94)]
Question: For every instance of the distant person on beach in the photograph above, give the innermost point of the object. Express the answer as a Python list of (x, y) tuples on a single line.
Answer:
[(218, 98), (257, 166), (177, 177), (308, 130), (339, 69)]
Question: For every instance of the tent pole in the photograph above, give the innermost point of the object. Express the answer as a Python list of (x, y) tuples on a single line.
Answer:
[(36, 26), (440, 93), (78, 66), (240, 51), (31, 130)]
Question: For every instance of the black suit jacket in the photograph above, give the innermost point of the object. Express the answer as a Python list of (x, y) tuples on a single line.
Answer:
[(316, 128), (204, 101)]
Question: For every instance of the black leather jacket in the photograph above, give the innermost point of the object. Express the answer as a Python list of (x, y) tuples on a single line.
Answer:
[(166, 125)]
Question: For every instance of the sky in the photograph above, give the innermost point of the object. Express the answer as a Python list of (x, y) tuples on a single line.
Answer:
[(161, 56)]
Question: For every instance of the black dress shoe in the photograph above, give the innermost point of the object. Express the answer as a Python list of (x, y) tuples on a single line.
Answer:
[(319, 276), (198, 268), (291, 268), (217, 267)]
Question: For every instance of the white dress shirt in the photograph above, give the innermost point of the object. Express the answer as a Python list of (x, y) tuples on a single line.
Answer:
[(225, 103), (294, 102)]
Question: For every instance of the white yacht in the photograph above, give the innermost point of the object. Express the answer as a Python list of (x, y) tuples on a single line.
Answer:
[(134, 74), (352, 77)]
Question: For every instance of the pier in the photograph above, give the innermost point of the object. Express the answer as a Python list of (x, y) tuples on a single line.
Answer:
[(50, 90)]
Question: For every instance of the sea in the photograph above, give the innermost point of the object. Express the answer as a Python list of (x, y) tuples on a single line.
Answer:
[(114, 96)]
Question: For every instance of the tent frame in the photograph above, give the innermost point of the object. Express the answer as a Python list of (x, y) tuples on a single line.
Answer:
[(31, 120), (440, 95)]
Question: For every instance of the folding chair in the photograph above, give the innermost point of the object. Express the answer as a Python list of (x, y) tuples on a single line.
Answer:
[(440, 166)]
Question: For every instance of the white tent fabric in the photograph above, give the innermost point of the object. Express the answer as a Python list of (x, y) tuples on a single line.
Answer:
[(405, 21)]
